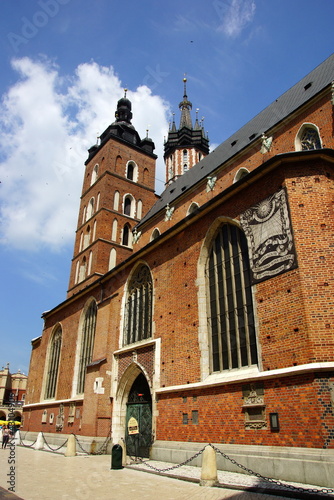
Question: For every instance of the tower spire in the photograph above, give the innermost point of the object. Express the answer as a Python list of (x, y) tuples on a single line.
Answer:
[(185, 106), (187, 145)]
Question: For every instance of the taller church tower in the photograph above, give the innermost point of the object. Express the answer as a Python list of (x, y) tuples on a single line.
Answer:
[(186, 145), (118, 189)]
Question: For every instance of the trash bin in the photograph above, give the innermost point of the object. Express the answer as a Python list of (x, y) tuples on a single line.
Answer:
[(116, 457)]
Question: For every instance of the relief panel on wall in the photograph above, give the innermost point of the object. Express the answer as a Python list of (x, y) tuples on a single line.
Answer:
[(268, 230)]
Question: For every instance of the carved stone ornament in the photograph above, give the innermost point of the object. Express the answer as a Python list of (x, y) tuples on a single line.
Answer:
[(59, 422), (266, 144), (60, 418), (169, 212), (136, 236), (211, 182), (268, 230), (332, 100), (253, 399), (256, 425)]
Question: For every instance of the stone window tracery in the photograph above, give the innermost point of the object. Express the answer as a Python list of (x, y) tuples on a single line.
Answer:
[(308, 138), (138, 309), (231, 316), (54, 357), (87, 345)]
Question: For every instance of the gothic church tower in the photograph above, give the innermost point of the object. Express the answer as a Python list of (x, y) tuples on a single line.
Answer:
[(118, 189), (186, 145)]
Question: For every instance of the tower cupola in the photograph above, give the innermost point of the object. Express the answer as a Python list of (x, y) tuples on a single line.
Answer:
[(123, 112)]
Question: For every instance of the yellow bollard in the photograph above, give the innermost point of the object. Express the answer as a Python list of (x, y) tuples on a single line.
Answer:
[(71, 446), (209, 467)]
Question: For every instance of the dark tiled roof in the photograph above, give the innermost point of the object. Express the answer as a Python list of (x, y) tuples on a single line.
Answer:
[(289, 102)]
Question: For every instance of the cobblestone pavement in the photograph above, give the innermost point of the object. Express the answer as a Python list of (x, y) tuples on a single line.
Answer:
[(45, 475)]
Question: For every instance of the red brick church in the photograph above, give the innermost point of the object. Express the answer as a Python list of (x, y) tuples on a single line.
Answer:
[(205, 313)]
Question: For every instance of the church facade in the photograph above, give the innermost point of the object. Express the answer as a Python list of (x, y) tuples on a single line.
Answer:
[(204, 315)]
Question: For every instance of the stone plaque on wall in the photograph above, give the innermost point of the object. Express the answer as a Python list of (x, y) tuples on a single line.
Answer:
[(268, 230)]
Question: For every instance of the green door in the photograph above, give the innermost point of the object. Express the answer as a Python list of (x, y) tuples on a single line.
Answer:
[(138, 445), (139, 407)]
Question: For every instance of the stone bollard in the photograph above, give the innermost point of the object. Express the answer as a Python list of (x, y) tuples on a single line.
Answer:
[(122, 443), (71, 446), (209, 467), (39, 445), (17, 437)]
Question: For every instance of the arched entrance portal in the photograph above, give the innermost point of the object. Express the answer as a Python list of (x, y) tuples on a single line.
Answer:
[(139, 408)]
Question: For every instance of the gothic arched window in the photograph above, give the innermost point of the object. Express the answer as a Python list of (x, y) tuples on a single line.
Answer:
[(53, 365), (87, 345), (138, 309), (94, 174), (242, 172), (231, 316), (127, 206), (308, 138), (129, 173), (126, 236), (185, 160), (155, 234)]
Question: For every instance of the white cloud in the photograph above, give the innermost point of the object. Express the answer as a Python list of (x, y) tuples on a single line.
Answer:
[(47, 123), (234, 15)]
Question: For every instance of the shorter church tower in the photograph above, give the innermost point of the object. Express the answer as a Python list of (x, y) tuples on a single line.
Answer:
[(118, 189), (186, 145)]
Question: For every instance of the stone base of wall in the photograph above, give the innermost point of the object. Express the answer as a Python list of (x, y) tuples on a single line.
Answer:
[(301, 465)]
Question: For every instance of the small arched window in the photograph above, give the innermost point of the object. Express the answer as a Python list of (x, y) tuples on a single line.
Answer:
[(126, 236), (77, 271), (94, 230), (116, 200), (81, 242), (114, 230), (138, 309), (90, 208), (155, 234), (90, 261), (185, 160), (53, 365), (86, 240), (242, 172), (129, 171), (308, 138), (112, 259), (94, 174), (139, 209), (129, 206), (132, 171), (83, 269), (192, 208)]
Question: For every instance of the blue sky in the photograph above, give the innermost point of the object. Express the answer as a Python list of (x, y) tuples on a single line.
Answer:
[(64, 65)]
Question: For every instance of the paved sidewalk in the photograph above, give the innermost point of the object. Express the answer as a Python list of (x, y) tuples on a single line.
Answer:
[(45, 475)]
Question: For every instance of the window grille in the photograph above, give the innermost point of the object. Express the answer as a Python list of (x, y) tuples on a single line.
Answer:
[(50, 390), (87, 345), (310, 139), (231, 320), (138, 311)]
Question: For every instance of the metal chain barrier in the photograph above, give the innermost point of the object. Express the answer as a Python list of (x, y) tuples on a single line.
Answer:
[(268, 479), (26, 445), (138, 459), (53, 449), (100, 451)]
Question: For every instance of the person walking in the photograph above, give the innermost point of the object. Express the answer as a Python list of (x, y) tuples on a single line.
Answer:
[(5, 436)]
